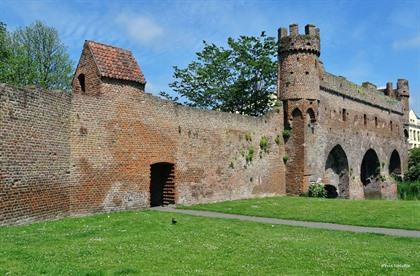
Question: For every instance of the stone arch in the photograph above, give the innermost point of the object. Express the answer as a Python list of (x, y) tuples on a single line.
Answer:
[(162, 184), (337, 171), (394, 167), (369, 174)]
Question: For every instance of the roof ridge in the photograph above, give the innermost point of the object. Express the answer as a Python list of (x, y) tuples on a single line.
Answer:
[(107, 45)]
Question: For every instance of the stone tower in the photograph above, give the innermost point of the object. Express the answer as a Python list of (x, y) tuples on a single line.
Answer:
[(298, 80), (403, 94)]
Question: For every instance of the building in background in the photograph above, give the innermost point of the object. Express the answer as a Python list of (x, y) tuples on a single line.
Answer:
[(414, 130)]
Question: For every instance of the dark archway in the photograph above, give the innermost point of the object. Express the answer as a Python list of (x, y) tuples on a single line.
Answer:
[(162, 184), (395, 164), (369, 174), (337, 171)]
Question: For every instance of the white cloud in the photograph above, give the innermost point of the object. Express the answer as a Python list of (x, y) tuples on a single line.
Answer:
[(412, 43), (139, 28)]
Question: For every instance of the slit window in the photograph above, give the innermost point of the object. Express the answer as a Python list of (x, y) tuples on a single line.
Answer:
[(364, 119), (344, 115), (81, 79), (376, 121)]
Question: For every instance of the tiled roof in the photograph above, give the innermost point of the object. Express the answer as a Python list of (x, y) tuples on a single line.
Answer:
[(115, 62)]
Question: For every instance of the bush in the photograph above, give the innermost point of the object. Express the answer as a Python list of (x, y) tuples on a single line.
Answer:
[(249, 155), (285, 159), (317, 190), (286, 134), (264, 144), (409, 190), (413, 173)]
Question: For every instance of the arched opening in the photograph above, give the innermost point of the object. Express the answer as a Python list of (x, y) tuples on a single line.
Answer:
[(369, 174), (296, 113), (162, 184), (337, 172), (395, 164), (81, 79), (310, 120)]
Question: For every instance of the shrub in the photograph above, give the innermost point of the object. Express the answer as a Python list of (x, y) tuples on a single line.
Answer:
[(249, 155), (277, 140), (248, 137), (409, 190), (286, 134), (317, 190), (264, 144), (285, 158)]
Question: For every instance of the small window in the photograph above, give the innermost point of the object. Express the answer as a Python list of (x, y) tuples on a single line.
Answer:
[(390, 125), (376, 121), (81, 79), (364, 119), (344, 115)]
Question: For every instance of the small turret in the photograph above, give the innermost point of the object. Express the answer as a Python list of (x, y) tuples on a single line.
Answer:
[(299, 68), (403, 94)]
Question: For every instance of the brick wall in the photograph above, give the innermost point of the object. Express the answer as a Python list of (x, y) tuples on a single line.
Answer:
[(35, 154), (118, 135)]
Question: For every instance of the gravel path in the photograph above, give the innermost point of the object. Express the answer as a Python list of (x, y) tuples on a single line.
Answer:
[(319, 225)]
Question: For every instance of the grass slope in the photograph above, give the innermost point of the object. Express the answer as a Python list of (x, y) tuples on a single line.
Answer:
[(147, 243), (380, 213)]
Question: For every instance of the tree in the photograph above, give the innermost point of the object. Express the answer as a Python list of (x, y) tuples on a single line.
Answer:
[(36, 56), (413, 173), (241, 78)]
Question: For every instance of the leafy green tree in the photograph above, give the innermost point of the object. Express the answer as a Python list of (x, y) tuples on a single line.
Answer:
[(413, 173), (240, 78), (36, 56)]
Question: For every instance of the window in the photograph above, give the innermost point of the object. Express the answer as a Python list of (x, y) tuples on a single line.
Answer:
[(390, 125), (81, 79), (364, 120), (376, 121), (344, 115)]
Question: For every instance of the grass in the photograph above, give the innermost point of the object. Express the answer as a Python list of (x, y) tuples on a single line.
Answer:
[(379, 213), (147, 243)]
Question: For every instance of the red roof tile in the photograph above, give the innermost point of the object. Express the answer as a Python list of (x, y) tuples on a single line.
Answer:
[(115, 62)]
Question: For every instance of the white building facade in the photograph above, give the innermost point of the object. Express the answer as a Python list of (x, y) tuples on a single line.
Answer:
[(414, 130)]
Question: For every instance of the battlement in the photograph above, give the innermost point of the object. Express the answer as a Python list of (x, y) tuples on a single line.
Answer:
[(367, 93), (293, 41)]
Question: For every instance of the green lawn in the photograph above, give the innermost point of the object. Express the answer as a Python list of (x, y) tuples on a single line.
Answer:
[(147, 243), (383, 213)]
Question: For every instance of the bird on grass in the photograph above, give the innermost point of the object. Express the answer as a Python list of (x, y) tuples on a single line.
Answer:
[(174, 221)]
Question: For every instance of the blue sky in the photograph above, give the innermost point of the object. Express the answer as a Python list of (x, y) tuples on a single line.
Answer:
[(376, 41)]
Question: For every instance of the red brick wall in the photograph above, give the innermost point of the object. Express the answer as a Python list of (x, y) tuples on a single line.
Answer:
[(35, 154), (126, 130)]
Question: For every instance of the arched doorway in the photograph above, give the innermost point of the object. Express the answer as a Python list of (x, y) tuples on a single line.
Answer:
[(394, 167), (162, 184), (369, 174), (337, 172)]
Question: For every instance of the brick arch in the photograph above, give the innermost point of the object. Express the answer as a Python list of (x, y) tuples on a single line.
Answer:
[(296, 113), (336, 171), (311, 115)]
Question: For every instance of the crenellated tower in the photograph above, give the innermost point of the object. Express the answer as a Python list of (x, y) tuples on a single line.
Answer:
[(299, 68), (298, 87)]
